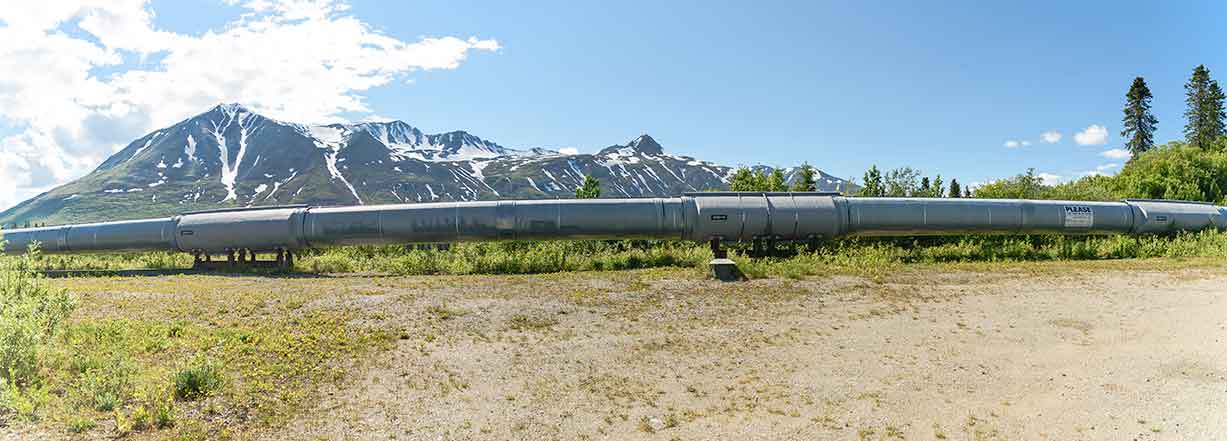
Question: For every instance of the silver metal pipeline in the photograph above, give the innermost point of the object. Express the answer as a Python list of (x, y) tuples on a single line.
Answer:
[(728, 216)]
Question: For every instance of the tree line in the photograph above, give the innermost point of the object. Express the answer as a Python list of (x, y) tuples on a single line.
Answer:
[(1194, 169), (907, 182), (1205, 117)]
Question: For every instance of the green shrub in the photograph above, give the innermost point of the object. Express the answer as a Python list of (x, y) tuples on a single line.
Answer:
[(1176, 171), (31, 316), (107, 387), (200, 379)]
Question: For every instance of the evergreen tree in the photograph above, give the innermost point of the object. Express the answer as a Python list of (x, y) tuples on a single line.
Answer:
[(1205, 113), (925, 185), (805, 180), (775, 181), (955, 190), (1219, 111), (938, 187), (967, 192), (873, 183), (590, 190), (1139, 122), (744, 179)]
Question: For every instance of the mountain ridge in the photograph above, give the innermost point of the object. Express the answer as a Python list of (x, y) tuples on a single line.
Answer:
[(230, 156)]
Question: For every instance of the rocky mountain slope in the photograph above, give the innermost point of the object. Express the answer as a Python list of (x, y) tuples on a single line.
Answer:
[(230, 156)]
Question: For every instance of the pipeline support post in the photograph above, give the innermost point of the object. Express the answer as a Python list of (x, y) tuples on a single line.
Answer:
[(243, 258), (723, 268)]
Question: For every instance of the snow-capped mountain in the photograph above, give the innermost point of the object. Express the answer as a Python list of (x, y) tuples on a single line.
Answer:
[(230, 156)]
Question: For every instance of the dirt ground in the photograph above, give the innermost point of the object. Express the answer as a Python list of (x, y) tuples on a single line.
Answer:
[(1097, 354), (1058, 351)]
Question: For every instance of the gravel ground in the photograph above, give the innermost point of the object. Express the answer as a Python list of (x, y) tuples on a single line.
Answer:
[(940, 353)]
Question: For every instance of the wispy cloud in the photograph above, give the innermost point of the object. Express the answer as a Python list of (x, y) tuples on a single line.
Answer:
[(1100, 170), (1093, 135), (1051, 137), (1013, 144), (1116, 154), (1049, 178)]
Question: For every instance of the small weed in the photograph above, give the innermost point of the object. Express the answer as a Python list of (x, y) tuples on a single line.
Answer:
[(81, 424), (198, 380), (520, 322), (443, 312)]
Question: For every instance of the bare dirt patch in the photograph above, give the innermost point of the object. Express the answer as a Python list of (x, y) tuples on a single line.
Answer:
[(940, 354)]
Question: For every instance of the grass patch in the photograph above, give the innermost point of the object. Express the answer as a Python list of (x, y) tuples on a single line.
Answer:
[(523, 322), (863, 256), (194, 358), (198, 380)]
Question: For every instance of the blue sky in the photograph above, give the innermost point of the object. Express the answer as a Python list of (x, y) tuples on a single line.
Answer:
[(941, 86), (839, 84)]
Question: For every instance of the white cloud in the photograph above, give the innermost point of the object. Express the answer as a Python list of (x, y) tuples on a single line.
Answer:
[(1100, 170), (1116, 154), (1013, 144), (1049, 178), (569, 151), (1093, 135), (298, 60), (1051, 137)]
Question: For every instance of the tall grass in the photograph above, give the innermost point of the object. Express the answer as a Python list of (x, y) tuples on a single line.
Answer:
[(862, 255), (31, 317), (854, 254), (876, 255), (507, 258)]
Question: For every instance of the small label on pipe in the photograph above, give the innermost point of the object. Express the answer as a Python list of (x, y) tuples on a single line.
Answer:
[(1079, 216)]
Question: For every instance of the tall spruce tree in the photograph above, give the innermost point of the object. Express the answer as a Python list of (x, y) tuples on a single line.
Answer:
[(936, 190), (955, 190), (775, 181), (923, 190), (873, 183), (805, 180), (1205, 113), (1139, 122), (1219, 112)]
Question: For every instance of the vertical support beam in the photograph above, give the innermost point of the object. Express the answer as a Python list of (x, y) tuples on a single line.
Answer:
[(716, 251)]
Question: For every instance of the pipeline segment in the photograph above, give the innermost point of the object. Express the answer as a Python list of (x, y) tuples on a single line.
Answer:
[(701, 217)]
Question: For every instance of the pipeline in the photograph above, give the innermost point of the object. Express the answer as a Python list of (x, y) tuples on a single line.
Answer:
[(701, 217)]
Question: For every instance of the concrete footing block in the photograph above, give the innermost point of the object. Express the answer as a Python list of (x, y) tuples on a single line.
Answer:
[(726, 270)]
